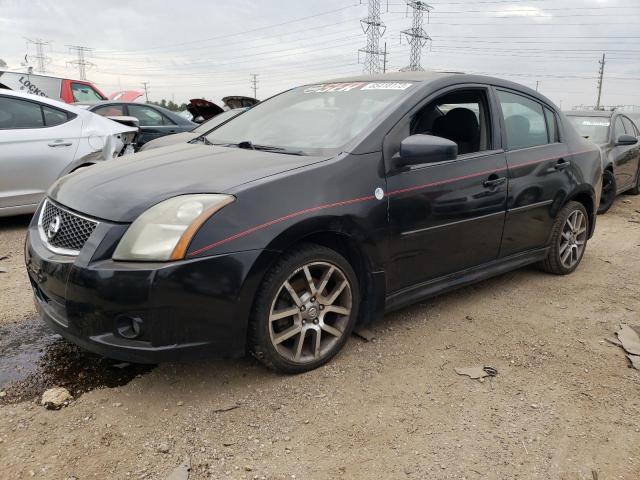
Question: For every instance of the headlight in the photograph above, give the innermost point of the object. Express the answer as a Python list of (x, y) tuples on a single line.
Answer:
[(164, 231)]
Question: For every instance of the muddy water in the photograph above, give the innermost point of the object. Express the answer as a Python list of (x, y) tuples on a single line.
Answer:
[(33, 358)]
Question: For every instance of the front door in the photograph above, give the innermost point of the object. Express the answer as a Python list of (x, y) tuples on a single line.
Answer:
[(448, 216)]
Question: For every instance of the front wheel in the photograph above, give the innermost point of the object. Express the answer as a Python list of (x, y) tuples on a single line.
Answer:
[(568, 240), (609, 188), (305, 310)]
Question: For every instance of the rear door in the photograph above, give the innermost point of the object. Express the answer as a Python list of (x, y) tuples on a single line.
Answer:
[(153, 123), (37, 142), (539, 169), (448, 216)]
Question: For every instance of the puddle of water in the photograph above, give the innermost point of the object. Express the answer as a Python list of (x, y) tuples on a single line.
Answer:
[(34, 358)]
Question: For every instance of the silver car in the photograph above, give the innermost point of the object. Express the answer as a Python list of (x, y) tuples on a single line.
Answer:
[(42, 140)]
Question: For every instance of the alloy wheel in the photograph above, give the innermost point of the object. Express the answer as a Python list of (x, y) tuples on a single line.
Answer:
[(310, 312), (573, 239)]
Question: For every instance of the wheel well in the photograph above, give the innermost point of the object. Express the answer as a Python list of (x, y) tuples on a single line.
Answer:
[(609, 168), (82, 166), (587, 202), (358, 260)]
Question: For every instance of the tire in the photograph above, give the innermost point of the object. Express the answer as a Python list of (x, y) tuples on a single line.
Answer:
[(563, 237), (279, 320), (636, 189), (609, 189)]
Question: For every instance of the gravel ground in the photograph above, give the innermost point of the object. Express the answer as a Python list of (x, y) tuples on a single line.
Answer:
[(564, 405)]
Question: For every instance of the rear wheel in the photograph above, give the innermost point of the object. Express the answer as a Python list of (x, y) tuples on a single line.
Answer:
[(305, 310), (568, 240), (609, 188)]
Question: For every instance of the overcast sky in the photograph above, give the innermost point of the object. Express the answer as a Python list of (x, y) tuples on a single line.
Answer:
[(209, 48)]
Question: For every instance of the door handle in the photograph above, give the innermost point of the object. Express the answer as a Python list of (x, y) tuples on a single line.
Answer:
[(494, 181), (61, 144), (561, 164)]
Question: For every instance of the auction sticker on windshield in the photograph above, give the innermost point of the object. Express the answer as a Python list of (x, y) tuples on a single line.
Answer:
[(386, 86), (592, 123), (347, 87)]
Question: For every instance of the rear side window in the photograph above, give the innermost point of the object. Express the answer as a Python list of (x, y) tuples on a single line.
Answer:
[(17, 113), (53, 116), (525, 121), (552, 125), (110, 111)]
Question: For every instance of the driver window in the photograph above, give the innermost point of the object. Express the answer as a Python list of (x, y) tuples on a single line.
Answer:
[(461, 116)]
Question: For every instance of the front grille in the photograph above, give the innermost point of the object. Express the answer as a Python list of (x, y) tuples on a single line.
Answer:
[(63, 231)]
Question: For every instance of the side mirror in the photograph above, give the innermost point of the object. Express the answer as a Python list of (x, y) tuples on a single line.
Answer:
[(420, 149), (626, 140)]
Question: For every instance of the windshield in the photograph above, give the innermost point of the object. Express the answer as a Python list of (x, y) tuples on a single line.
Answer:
[(314, 120), (595, 129), (217, 120)]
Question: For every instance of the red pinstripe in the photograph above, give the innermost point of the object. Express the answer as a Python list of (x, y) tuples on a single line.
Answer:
[(251, 230)]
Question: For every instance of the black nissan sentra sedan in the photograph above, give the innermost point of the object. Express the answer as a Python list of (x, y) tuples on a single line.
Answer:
[(320, 208)]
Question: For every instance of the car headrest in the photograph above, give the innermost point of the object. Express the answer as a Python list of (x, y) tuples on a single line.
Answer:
[(461, 125)]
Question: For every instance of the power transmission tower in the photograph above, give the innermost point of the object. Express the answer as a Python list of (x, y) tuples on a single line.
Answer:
[(81, 60), (600, 78), (40, 56), (145, 85), (416, 35), (254, 84), (374, 29)]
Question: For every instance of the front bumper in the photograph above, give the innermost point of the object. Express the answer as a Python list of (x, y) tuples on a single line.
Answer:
[(185, 309)]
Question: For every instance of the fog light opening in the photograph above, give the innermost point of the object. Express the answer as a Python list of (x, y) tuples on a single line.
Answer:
[(129, 327)]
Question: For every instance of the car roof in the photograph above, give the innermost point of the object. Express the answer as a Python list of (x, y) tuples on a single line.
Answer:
[(428, 76), (589, 113), (397, 76)]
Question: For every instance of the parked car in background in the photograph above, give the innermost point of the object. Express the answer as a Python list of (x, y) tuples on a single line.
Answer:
[(618, 137), (201, 129), (42, 140), (155, 122), (321, 207), (202, 110), (56, 88)]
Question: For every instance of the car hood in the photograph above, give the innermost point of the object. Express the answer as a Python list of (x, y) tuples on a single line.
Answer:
[(120, 190), (172, 139)]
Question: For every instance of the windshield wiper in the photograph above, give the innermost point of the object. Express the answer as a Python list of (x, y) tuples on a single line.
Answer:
[(248, 145)]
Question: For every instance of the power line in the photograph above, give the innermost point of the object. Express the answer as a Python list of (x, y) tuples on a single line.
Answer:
[(254, 84), (600, 79), (81, 60), (41, 58), (373, 27), (416, 35), (145, 85)]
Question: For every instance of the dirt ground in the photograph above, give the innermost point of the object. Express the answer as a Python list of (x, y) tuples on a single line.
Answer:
[(564, 405)]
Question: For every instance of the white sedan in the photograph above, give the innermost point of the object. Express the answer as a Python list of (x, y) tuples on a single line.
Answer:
[(42, 140)]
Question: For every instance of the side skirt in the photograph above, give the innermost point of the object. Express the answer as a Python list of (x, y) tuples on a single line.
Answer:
[(447, 283)]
